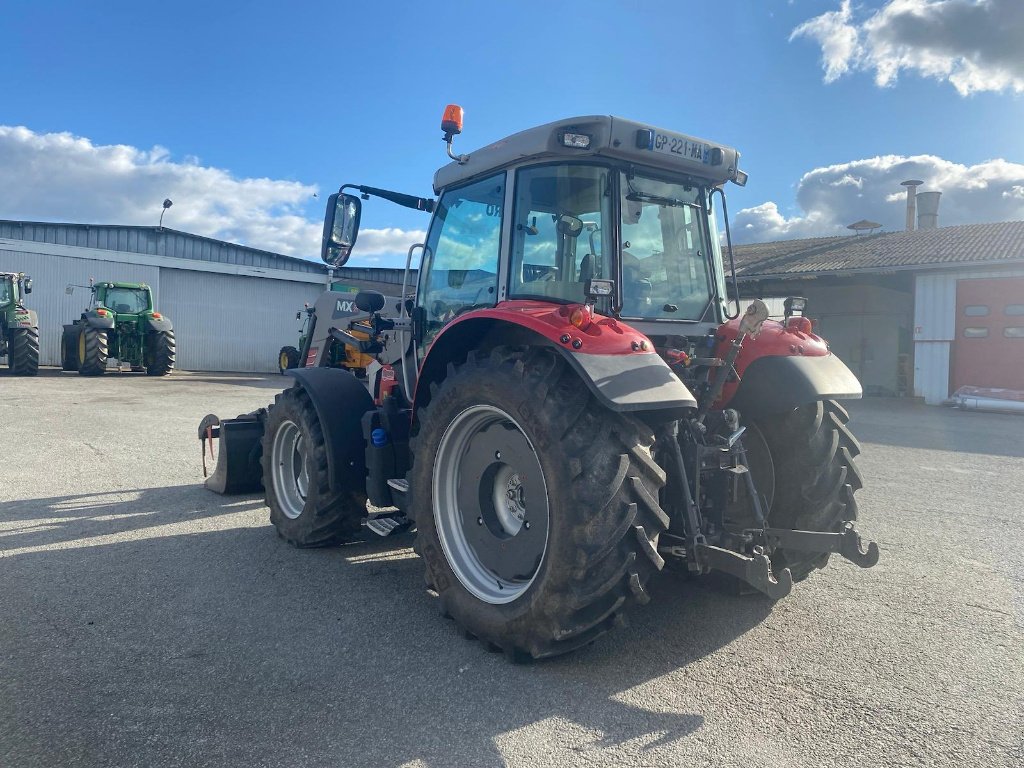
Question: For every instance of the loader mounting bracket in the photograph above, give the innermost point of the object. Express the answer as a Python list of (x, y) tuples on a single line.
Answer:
[(846, 543)]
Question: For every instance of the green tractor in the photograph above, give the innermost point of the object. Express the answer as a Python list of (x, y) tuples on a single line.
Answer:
[(19, 326), (120, 323)]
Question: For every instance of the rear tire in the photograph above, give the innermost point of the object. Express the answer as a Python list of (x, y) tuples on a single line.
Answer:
[(92, 351), (69, 351), (597, 501), (161, 353), (303, 508), (287, 359), (23, 351), (816, 477)]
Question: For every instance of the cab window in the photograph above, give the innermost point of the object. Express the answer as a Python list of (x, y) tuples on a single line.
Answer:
[(460, 266), (559, 235)]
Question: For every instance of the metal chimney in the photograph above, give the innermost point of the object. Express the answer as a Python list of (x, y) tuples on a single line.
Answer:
[(928, 210), (911, 185)]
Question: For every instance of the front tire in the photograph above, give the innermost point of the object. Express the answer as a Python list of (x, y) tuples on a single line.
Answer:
[(490, 429), (92, 351), (815, 476), (303, 508), (23, 351), (162, 351)]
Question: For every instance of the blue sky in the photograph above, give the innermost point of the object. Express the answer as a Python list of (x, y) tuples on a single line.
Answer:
[(240, 111)]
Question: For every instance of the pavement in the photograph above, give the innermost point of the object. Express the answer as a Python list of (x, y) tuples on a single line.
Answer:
[(145, 621)]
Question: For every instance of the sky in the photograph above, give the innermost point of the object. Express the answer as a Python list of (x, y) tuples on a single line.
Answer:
[(247, 115)]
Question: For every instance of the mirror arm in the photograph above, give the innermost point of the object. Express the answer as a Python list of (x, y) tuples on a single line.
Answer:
[(406, 201)]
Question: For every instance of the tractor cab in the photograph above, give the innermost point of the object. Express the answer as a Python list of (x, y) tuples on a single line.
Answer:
[(13, 288), (126, 300)]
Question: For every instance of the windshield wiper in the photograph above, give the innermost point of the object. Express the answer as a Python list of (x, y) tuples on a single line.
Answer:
[(644, 197)]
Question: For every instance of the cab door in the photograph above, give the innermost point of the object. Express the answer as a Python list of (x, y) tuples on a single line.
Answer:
[(461, 259)]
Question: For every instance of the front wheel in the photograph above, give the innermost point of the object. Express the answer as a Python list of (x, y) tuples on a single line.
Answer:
[(537, 509), (303, 508)]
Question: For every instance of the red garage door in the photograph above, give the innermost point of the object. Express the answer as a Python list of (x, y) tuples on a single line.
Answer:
[(989, 347)]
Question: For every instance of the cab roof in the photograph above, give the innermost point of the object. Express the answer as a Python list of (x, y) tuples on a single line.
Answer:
[(610, 137)]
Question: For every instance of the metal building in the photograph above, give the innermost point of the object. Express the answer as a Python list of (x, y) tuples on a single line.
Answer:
[(233, 307)]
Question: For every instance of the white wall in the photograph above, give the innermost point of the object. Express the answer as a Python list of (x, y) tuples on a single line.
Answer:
[(232, 322)]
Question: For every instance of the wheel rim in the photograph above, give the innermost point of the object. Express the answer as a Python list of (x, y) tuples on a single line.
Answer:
[(81, 346), (290, 469), (490, 504), (282, 361)]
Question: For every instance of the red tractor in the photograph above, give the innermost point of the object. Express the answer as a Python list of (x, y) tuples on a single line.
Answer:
[(567, 403)]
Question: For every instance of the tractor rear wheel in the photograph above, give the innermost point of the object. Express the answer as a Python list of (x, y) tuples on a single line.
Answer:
[(23, 351), (161, 353), (69, 351), (303, 508), (92, 351), (536, 508), (287, 359), (815, 476)]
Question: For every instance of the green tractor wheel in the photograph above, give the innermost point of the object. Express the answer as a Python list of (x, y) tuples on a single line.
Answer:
[(23, 352), (161, 353), (69, 351), (287, 359), (92, 351)]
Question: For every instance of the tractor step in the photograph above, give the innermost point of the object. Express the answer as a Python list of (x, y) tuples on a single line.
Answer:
[(399, 491), (388, 523)]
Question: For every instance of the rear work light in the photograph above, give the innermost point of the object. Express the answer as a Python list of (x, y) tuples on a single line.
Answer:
[(576, 140)]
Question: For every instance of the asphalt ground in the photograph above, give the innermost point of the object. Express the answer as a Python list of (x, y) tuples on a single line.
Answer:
[(146, 621)]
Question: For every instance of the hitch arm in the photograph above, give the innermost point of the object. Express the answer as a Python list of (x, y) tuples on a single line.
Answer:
[(755, 571), (846, 543)]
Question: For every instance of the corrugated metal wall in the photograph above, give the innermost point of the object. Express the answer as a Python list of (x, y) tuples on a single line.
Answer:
[(232, 322), (155, 242), (935, 327), (50, 276)]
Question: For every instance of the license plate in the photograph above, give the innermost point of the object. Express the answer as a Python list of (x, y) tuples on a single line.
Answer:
[(667, 144)]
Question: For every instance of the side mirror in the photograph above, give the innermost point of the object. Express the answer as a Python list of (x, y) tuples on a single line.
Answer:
[(341, 227), (569, 225), (28, 285), (370, 301), (298, 315), (69, 290)]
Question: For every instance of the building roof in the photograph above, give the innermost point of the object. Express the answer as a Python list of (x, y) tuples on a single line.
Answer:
[(154, 241), (922, 249)]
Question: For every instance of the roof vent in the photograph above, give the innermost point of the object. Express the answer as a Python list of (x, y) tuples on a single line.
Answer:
[(928, 210)]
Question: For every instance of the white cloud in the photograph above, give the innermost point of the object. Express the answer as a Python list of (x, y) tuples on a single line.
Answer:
[(973, 44), (829, 200), (61, 177)]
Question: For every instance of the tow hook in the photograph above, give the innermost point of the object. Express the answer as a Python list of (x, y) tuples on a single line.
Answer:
[(846, 543)]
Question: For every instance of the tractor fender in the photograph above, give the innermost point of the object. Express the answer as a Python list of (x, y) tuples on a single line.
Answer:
[(23, 318), (340, 400), (621, 377), (775, 384), (158, 324), (94, 320)]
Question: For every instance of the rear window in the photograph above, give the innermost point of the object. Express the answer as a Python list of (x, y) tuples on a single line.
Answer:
[(1014, 332), (975, 333), (1014, 310), (976, 310)]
